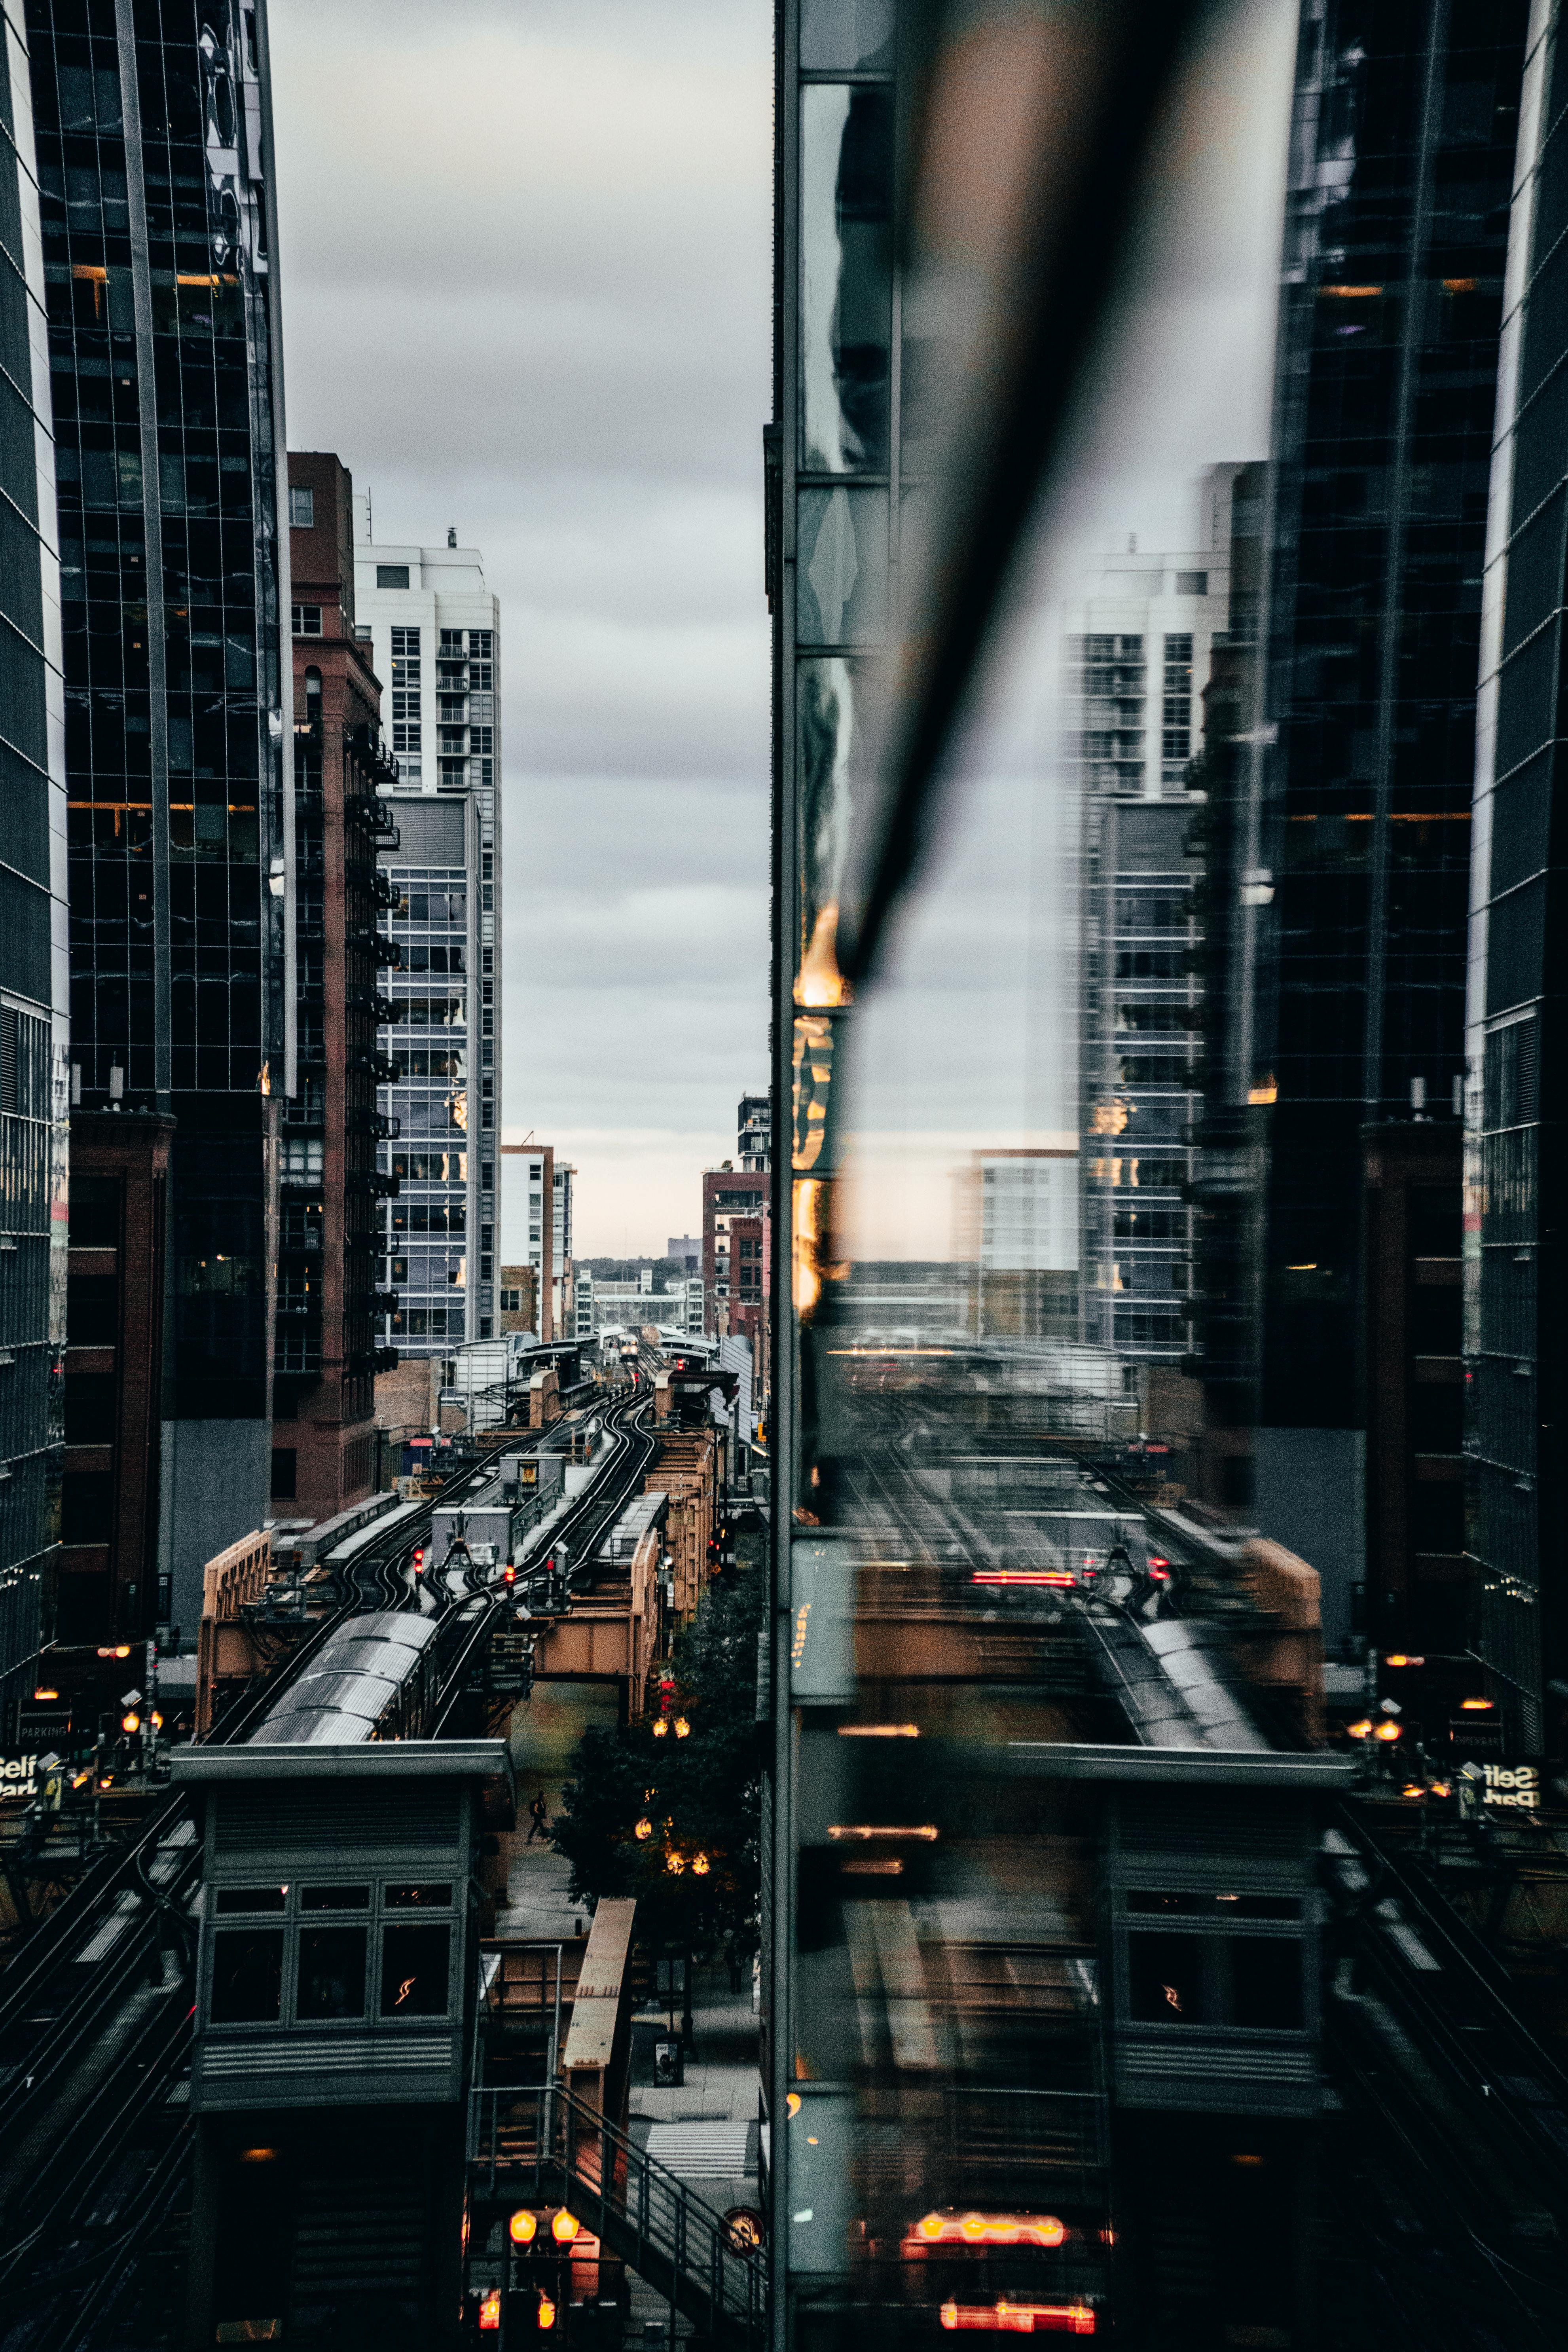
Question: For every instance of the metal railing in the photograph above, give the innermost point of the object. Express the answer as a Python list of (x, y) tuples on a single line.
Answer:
[(543, 2142)]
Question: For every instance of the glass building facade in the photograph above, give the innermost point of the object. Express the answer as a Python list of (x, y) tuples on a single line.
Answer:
[(155, 179), (1397, 222), (1514, 1245), (34, 1070)]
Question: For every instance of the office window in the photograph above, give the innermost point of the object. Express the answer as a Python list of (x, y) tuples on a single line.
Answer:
[(248, 1976), (307, 620), (392, 575), (302, 507), (413, 1971), (330, 1979)]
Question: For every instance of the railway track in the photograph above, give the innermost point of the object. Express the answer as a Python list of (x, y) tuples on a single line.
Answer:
[(95, 2014)]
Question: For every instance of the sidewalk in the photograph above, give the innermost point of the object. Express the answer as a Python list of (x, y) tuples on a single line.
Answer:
[(722, 2087)]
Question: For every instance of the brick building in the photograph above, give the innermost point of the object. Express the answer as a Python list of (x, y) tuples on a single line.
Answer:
[(735, 1252), (326, 1355)]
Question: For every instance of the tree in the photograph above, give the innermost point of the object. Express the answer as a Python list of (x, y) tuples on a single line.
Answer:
[(696, 1797)]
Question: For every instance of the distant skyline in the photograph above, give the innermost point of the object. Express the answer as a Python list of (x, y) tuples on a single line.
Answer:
[(526, 292)]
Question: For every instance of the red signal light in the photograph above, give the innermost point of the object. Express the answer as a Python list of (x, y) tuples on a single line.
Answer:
[(508, 1574)]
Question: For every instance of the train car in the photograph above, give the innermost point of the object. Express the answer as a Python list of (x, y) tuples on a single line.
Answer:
[(376, 1678)]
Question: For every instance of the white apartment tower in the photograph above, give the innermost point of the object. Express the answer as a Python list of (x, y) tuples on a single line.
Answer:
[(436, 628)]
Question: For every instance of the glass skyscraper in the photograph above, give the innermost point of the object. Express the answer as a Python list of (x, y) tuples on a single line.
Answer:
[(155, 180), (1396, 220), (33, 1033), (1515, 1174)]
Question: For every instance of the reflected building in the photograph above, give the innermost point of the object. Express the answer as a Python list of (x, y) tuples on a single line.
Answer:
[(156, 181), (1018, 1238), (1402, 163), (1141, 650)]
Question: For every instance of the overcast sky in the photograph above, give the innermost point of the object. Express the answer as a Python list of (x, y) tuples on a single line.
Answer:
[(526, 290), (526, 257)]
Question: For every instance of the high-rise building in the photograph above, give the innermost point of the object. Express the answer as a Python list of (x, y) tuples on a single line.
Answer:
[(734, 1203), (1140, 654), (159, 242), (533, 1196), (325, 1354), (753, 1132), (1402, 163), (1515, 1199), (562, 1318), (33, 967), (436, 637)]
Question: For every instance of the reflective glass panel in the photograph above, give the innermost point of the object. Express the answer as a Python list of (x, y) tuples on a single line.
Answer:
[(846, 159), (413, 1971), (248, 1976)]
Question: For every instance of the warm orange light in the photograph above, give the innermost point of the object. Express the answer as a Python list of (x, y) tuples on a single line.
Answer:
[(46, 1693), (258, 2156), (130, 1721), (1442, 1788), (879, 1731), (1414, 1790), (1020, 2318), (699, 1865), (1362, 1731), (859, 1830), (682, 1728), (821, 983), (1476, 1706), (661, 1728), (545, 2313), (490, 2312), (1062, 1578), (675, 1863), (792, 2102), (1399, 1658), (522, 2227), (156, 1720), (1388, 1731), (643, 1829), (563, 2227), (986, 2230)]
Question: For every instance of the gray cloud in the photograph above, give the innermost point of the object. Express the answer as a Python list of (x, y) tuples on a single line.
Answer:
[(526, 255)]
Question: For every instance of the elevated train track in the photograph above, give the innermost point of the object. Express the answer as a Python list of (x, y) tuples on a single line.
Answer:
[(95, 2013)]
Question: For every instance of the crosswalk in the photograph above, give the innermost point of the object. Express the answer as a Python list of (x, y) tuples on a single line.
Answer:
[(712, 2149)]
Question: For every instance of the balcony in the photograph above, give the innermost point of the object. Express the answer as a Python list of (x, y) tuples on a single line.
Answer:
[(366, 745)]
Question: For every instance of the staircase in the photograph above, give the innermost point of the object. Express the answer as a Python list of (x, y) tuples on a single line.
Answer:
[(542, 2144)]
